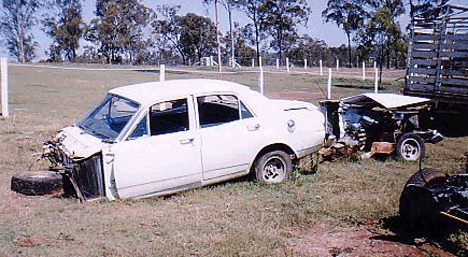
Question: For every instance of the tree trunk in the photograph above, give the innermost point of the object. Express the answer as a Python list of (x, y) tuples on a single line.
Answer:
[(232, 37), (257, 41), (22, 57), (220, 69), (349, 49)]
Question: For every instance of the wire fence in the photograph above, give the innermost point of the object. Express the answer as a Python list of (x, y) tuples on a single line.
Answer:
[(277, 81)]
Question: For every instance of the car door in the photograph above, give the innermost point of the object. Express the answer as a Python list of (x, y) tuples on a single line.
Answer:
[(162, 154), (230, 135)]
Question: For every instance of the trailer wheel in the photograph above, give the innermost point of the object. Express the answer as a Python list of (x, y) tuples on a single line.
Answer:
[(36, 182), (417, 204), (410, 147)]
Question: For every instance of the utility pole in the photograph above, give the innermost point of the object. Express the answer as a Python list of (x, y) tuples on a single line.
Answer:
[(220, 69)]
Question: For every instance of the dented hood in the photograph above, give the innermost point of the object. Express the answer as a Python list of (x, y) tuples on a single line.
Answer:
[(76, 143), (389, 101)]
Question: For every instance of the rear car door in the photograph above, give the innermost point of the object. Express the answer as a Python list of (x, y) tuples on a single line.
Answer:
[(231, 135)]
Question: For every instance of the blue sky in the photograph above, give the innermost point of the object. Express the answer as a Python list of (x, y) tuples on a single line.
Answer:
[(316, 27)]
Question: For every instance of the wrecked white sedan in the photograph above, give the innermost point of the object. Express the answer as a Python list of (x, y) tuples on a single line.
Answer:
[(162, 137)]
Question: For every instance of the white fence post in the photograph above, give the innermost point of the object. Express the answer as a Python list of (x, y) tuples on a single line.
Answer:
[(329, 82), (260, 80), (162, 73), (260, 62), (253, 62), (321, 68), (305, 63), (287, 65), (376, 87), (337, 64), (4, 74), (375, 65), (277, 63), (211, 61), (363, 71)]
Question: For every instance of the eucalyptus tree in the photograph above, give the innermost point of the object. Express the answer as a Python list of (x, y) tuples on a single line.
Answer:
[(281, 19), (381, 35), (197, 36), (17, 22), (349, 15), (252, 9), (166, 30), (118, 28), (384, 25), (192, 35), (230, 6), (64, 23)]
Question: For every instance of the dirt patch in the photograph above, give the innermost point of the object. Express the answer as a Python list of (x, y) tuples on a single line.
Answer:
[(327, 240)]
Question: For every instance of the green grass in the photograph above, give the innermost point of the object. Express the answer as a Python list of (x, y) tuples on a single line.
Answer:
[(239, 218)]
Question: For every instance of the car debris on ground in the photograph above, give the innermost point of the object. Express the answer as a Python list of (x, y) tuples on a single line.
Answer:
[(378, 124), (431, 194)]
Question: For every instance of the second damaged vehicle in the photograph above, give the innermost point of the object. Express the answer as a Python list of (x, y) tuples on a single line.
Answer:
[(163, 137), (379, 124)]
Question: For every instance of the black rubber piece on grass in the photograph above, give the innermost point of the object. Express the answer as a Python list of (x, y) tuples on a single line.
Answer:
[(417, 204), (36, 182)]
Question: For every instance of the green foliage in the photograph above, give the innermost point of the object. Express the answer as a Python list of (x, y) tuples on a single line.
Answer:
[(66, 27), (281, 19), (382, 36), (193, 36), (252, 9), (118, 28), (347, 14), (307, 47), (18, 20)]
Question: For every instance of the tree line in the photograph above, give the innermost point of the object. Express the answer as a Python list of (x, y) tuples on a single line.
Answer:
[(127, 31)]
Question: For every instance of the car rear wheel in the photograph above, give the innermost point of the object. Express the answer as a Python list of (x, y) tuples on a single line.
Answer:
[(37, 182), (410, 147), (273, 167)]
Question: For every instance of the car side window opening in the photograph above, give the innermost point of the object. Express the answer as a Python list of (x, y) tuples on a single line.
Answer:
[(169, 117), (216, 110)]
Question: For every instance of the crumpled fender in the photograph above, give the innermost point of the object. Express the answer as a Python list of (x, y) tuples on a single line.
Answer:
[(76, 143)]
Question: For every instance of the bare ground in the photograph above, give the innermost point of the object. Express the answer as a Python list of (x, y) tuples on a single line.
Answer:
[(364, 240)]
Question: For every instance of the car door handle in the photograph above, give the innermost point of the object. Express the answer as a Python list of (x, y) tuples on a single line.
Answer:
[(187, 141), (254, 127)]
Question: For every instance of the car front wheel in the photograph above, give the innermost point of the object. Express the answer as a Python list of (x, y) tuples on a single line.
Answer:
[(273, 167)]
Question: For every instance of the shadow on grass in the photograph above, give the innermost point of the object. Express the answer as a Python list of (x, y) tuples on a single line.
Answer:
[(436, 232), (452, 125)]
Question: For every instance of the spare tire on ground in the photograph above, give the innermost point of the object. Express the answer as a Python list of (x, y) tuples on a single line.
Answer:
[(37, 182), (417, 203)]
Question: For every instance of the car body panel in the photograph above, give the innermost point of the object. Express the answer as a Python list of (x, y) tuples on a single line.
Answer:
[(145, 165)]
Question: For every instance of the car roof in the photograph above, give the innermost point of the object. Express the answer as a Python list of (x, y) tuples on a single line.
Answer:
[(148, 93)]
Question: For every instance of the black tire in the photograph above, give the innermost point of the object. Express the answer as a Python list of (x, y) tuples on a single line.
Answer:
[(37, 182), (410, 147), (417, 204), (273, 167)]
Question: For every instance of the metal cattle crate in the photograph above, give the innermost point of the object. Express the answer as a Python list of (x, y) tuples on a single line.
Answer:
[(437, 64)]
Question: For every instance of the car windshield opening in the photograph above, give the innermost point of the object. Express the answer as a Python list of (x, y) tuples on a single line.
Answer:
[(107, 120)]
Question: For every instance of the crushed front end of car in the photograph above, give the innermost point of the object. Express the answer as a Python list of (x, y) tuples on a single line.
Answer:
[(83, 173), (378, 124)]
